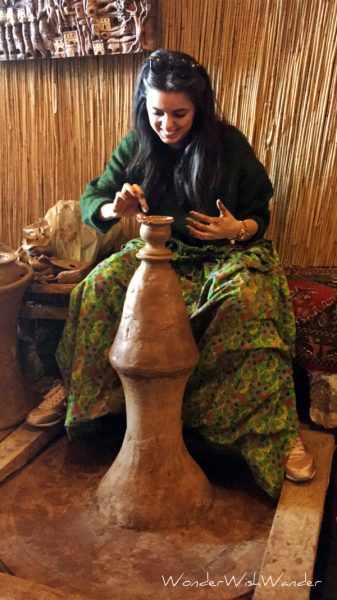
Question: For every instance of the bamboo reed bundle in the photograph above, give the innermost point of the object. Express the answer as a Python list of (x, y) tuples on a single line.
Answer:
[(273, 66)]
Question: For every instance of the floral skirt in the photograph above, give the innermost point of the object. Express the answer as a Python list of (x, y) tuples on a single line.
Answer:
[(241, 392)]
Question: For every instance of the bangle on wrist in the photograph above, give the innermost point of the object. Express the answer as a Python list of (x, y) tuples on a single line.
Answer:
[(242, 234)]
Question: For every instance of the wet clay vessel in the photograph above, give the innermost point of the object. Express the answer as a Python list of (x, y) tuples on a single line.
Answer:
[(154, 483), (14, 278)]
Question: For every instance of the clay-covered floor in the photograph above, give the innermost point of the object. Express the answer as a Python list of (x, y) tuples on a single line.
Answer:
[(50, 532)]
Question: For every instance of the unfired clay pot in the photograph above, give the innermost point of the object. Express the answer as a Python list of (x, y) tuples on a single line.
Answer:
[(14, 278), (154, 483)]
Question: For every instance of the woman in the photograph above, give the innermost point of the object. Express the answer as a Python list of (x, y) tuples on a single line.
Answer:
[(185, 162)]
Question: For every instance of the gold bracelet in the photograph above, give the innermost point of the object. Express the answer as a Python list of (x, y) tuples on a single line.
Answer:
[(242, 233)]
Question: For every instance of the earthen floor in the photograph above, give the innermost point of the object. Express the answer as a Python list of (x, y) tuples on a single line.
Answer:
[(51, 534)]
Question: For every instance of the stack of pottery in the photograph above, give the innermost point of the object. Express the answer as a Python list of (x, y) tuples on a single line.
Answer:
[(14, 278)]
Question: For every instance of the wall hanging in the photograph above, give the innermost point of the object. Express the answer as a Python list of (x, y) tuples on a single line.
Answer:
[(31, 29)]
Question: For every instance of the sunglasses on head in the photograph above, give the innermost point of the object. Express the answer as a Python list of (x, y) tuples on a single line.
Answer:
[(183, 68)]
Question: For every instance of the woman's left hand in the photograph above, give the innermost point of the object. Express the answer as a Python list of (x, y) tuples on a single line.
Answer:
[(204, 227)]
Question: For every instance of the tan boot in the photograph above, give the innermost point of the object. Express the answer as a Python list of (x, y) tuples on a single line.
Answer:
[(299, 465), (52, 409)]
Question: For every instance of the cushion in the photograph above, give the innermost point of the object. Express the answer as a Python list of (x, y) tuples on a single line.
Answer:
[(314, 298)]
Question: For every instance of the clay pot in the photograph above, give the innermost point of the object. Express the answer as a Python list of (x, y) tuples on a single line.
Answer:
[(14, 278), (10, 270), (154, 483)]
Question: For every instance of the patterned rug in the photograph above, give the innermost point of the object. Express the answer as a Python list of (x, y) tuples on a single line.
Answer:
[(314, 296)]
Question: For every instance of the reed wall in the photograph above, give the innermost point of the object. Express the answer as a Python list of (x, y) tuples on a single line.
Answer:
[(273, 66)]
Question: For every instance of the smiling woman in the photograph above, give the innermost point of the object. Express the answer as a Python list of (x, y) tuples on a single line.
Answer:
[(171, 116), (181, 160)]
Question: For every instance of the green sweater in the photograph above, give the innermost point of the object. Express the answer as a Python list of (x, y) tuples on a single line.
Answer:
[(244, 188)]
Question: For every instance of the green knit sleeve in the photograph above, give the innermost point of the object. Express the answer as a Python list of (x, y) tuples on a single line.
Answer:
[(101, 190)]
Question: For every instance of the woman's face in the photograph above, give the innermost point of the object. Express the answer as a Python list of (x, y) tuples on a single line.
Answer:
[(171, 115)]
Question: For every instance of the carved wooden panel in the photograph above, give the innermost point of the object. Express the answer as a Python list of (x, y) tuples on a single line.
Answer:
[(65, 28)]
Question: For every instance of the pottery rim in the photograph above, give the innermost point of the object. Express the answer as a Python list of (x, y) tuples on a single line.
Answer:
[(27, 274), (7, 257), (154, 219)]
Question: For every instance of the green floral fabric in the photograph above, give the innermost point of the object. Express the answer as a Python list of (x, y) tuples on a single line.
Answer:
[(242, 391)]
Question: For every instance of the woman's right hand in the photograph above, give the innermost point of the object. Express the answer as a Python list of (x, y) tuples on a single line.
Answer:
[(127, 203)]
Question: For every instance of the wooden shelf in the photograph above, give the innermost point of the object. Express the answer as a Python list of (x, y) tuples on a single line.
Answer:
[(50, 288), (43, 311)]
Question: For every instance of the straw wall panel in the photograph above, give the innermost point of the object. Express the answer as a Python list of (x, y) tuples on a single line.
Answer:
[(273, 65)]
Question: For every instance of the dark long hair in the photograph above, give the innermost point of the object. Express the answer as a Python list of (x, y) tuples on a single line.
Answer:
[(196, 167)]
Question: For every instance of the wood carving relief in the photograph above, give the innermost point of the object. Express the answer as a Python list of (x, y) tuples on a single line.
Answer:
[(32, 29)]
